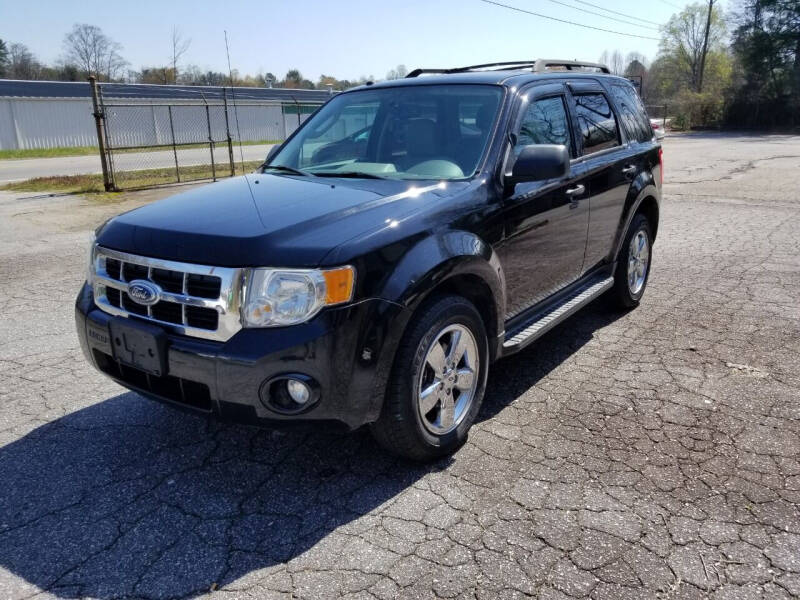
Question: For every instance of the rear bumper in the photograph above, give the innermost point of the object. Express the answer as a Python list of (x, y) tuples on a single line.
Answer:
[(346, 351)]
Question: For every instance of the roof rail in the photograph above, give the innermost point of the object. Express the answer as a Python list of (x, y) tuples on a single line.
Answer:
[(543, 65), (537, 66)]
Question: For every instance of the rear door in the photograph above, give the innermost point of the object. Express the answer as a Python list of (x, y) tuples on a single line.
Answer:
[(545, 221), (609, 165)]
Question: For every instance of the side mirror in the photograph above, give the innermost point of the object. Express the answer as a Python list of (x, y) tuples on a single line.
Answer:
[(272, 152), (540, 161)]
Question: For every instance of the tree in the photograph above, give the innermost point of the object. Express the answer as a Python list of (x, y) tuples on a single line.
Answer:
[(614, 61), (684, 41), (3, 58), (397, 73), (179, 47), (159, 75), (294, 80), (766, 45), (93, 52), (22, 64)]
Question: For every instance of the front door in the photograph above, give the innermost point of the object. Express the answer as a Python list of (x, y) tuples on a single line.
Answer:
[(545, 221)]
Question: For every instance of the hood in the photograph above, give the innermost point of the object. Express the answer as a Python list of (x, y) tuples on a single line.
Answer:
[(264, 219)]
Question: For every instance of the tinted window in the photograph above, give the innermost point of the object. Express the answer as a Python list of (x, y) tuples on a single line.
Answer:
[(545, 122), (597, 122), (632, 112)]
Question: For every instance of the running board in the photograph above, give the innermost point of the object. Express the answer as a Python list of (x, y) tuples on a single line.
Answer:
[(567, 308)]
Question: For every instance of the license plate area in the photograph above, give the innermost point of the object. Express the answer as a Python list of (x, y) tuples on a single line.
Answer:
[(139, 345)]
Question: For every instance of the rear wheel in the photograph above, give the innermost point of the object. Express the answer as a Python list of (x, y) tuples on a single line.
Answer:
[(633, 265), (437, 382)]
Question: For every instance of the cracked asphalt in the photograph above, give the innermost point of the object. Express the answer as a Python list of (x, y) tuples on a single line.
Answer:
[(653, 454)]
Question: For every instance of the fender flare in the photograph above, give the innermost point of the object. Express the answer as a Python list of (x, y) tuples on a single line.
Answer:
[(442, 256), (647, 190), (424, 269)]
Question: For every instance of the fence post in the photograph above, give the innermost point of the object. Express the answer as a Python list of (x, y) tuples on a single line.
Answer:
[(211, 143), (174, 148), (228, 132), (99, 118)]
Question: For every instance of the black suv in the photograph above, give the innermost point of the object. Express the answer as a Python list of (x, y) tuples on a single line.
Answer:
[(406, 236)]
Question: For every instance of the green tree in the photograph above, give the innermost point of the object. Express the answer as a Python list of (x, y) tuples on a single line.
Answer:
[(682, 41), (766, 45), (3, 58)]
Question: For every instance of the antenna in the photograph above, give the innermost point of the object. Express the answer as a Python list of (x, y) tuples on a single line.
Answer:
[(233, 99)]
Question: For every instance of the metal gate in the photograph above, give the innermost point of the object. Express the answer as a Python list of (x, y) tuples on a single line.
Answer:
[(149, 143)]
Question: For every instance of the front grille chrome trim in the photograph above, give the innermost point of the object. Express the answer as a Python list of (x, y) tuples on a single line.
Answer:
[(227, 305)]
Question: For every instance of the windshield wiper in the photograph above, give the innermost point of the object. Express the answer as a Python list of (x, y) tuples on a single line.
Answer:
[(286, 169), (350, 174)]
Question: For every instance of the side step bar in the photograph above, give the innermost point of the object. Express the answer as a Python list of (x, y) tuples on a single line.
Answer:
[(544, 322)]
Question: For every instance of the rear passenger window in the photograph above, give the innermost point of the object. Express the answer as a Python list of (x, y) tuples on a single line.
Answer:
[(545, 122), (597, 122), (632, 112)]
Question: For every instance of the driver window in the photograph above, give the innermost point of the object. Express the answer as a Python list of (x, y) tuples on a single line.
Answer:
[(545, 122)]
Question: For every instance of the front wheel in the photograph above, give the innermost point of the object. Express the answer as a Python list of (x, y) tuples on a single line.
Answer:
[(437, 383), (633, 265)]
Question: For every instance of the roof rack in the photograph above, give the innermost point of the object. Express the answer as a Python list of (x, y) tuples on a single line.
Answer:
[(537, 66)]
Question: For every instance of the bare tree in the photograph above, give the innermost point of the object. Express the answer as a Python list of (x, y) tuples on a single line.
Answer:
[(93, 52), (179, 47), (398, 73), (617, 63), (22, 63)]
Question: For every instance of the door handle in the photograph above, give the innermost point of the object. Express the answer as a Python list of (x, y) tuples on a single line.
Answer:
[(576, 191), (629, 170)]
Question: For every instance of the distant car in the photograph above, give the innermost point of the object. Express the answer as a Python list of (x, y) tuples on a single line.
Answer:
[(658, 128)]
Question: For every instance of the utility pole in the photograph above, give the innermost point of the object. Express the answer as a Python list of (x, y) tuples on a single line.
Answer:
[(705, 48)]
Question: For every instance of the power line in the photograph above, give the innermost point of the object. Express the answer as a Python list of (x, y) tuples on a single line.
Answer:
[(672, 5), (617, 13), (596, 14), (535, 14)]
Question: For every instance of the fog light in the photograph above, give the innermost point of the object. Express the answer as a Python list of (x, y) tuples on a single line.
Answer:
[(290, 393), (298, 391)]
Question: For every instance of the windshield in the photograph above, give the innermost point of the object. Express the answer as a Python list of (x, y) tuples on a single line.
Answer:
[(414, 132)]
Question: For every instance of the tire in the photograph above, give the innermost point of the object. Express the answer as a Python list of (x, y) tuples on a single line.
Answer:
[(629, 285), (415, 385)]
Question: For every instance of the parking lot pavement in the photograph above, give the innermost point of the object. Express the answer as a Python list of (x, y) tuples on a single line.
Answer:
[(653, 454)]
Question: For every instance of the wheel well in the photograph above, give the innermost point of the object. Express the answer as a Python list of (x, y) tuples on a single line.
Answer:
[(477, 291), (649, 208)]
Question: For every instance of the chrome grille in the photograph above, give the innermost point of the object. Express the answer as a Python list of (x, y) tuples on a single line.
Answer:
[(193, 300)]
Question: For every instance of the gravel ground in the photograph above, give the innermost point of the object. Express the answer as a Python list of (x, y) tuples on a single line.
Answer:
[(654, 454)]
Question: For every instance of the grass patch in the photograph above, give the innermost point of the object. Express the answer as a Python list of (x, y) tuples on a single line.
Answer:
[(88, 184), (92, 150), (47, 152)]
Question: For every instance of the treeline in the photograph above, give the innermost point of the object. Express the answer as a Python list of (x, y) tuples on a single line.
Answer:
[(740, 68), (715, 69), (89, 51)]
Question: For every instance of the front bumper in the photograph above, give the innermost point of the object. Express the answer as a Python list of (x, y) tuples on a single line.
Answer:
[(347, 351)]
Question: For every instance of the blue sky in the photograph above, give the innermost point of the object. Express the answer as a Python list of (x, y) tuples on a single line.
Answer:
[(345, 38)]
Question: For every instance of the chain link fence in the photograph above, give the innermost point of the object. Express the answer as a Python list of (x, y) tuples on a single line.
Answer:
[(149, 143)]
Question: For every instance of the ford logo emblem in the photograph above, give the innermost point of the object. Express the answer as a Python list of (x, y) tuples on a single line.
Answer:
[(144, 292)]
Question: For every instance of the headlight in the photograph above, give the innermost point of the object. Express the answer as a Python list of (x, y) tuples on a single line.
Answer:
[(286, 297), (90, 265)]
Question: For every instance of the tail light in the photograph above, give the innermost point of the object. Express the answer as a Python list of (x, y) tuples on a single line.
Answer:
[(661, 164)]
